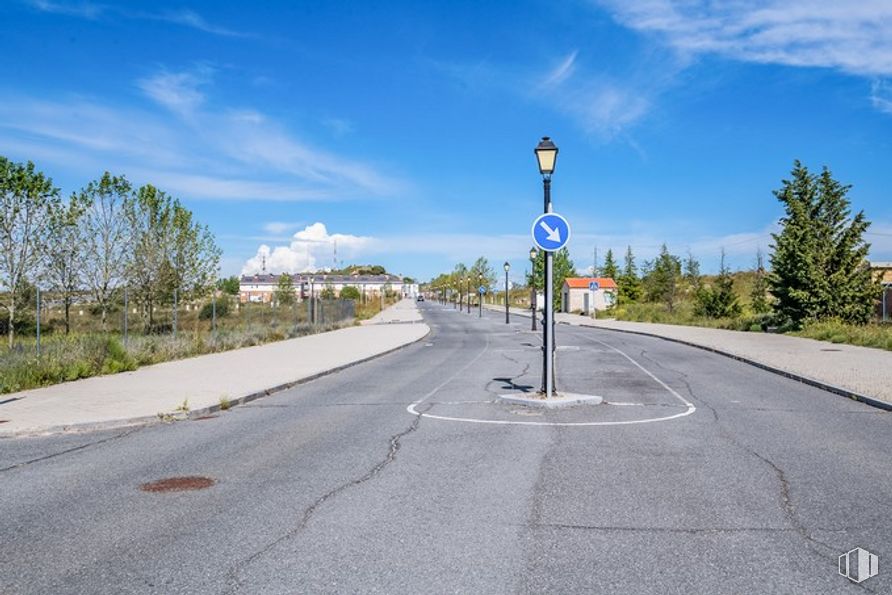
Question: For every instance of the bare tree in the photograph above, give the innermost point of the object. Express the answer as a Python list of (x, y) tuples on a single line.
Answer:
[(105, 238), (27, 198)]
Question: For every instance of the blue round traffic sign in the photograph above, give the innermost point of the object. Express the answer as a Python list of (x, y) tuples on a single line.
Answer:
[(551, 231)]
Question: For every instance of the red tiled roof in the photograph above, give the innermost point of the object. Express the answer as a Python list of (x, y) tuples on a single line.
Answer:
[(583, 282)]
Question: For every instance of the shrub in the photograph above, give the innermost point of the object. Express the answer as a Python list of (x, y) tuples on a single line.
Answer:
[(350, 293), (207, 311)]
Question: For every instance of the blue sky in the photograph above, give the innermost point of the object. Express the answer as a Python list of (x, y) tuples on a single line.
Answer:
[(406, 129)]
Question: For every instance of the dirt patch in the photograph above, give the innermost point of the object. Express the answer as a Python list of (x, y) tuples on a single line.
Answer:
[(178, 484)]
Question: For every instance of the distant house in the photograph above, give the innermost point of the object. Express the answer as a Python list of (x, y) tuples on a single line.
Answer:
[(587, 294), (883, 272), (261, 287)]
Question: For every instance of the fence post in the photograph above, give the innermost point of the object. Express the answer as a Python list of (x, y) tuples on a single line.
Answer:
[(38, 321), (174, 313), (125, 317)]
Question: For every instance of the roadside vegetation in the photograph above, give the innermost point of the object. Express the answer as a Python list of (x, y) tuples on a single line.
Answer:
[(124, 277), (816, 281)]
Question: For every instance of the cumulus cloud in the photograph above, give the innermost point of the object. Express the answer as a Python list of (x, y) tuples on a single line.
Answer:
[(310, 249)]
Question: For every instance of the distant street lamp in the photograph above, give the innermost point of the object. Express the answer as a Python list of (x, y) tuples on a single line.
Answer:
[(479, 296), (546, 155), (533, 254), (507, 268), (468, 290)]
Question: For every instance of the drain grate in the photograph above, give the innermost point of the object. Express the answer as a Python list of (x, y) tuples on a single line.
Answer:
[(3, 421), (204, 417), (831, 350), (178, 484)]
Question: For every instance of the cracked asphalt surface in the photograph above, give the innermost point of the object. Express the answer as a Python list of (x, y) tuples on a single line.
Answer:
[(755, 486)]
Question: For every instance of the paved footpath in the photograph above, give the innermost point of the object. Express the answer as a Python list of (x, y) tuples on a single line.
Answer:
[(239, 375), (861, 371)]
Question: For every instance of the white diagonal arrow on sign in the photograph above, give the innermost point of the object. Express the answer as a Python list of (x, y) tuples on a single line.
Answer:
[(554, 235)]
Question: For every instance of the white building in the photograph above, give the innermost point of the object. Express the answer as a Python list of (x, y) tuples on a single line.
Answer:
[(261, 288), (587, 294)]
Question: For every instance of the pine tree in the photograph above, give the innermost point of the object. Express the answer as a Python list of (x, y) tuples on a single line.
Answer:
[(819, 258), (562, 267), (692, 274), (718, 300), (609, 270), (758, 292), (661, 278), (628, 282)]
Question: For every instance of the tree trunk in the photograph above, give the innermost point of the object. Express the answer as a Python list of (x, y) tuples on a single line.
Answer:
[(104, 316), (11, 331), (67, 315)]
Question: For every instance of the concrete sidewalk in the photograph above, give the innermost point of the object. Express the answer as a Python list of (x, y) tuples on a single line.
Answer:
[(403, 311), (146, 394), (862, 373)]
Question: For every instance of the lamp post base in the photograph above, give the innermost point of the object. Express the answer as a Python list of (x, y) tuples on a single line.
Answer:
[(557, 401)]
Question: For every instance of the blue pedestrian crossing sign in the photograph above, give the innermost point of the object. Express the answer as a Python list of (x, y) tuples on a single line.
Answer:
[(551, 231), (481, 290), (594, 286)]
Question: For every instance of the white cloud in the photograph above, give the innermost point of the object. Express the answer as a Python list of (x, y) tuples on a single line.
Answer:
[(310, 249), (190, 18), (87, 10), (280, 227), (92, 11), (881, 96), (177, 91), (197, 152), (853, 37), (562, 71)]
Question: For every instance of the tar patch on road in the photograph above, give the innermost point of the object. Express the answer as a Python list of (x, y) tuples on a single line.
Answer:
[(178, 484)]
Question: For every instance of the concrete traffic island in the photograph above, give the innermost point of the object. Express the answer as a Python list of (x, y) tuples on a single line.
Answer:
[(558, 401)]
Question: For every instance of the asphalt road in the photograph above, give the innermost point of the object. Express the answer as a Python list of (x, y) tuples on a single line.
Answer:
[(699, 474)]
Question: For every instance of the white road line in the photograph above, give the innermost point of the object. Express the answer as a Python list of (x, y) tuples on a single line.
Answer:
[(690, 408)]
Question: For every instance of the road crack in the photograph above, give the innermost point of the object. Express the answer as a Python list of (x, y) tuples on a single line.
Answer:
[(71, 450), (234, 584)]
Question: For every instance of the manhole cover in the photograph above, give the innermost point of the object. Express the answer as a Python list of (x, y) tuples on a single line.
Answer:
[(178, 484)]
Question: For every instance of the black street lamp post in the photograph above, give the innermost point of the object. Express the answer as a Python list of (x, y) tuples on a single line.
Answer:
[(533, 253), (468, 290), (507, 315), (546, 155)]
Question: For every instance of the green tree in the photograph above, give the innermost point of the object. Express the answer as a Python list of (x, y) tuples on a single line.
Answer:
[(628, 282), (350, 293), (328, 292), (104, 234), (64, 253), (609, 269), (482, 274), (284, 293), (692, 274), (27, 201), (562, 268), (661, 278), (759, 290), (819, 258), (718, 300), (149, 216), (230, 285)]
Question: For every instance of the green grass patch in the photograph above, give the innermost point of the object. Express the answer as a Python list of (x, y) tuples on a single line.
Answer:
[(875, 335)]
